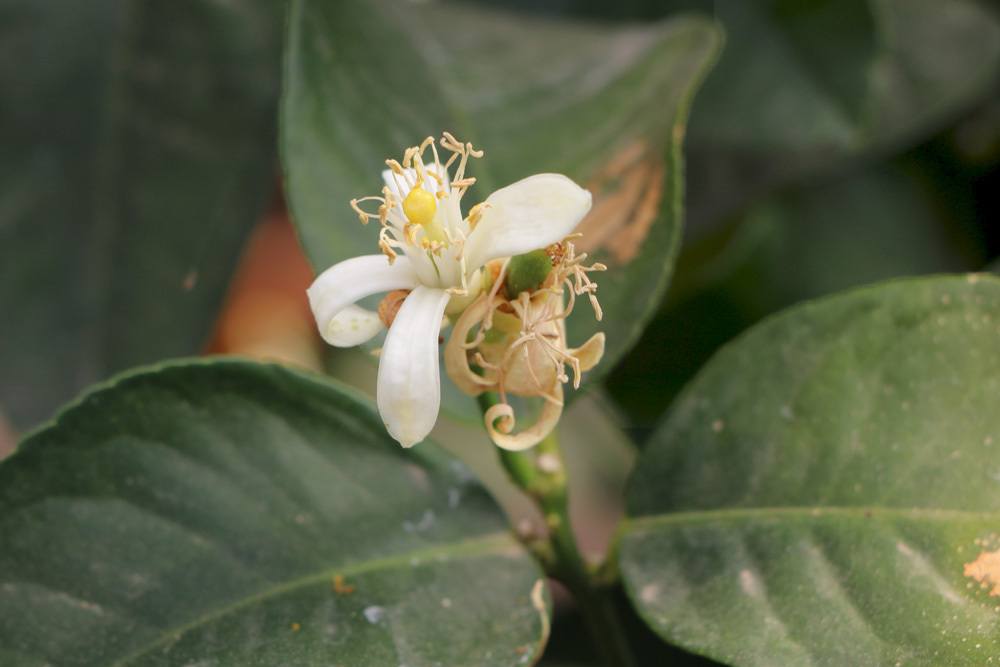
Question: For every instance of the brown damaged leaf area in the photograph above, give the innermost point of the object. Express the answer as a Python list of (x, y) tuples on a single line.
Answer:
[(627, 195), (986, 570)]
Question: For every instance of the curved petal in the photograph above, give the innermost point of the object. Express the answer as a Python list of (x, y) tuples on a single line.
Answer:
[(530, 214), (352, 326), (354, 279), (409, 377), (500, 423), (589, 354), (456, 354)]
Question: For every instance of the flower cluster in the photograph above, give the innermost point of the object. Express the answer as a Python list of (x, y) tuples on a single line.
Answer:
[(507, 272)]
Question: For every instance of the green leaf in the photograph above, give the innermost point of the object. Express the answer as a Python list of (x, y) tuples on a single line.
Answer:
[(202, 512), (604, 104), (802, 243), (825, 492), (807, 86), (138, 149)]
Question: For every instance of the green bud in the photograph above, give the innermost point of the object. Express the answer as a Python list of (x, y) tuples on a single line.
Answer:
[(527, 272)]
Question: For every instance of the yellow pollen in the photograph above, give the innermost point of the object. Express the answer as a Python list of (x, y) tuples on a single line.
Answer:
[(419, 206)]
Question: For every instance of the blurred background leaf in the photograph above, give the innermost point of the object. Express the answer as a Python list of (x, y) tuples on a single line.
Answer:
[(805, 85), (604, 104), (798, 244), (836, 143), (138, 150), (824, 491)]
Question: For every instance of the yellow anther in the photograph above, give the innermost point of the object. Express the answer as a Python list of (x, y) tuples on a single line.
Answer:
[(419, 206), (475, 213)]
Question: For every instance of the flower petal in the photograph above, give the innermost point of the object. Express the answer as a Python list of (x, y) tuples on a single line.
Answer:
[(589, 354), (530, 214), (352, 326), (399, 186), (409, 377), (456, 353), (500, 423), (354, 279)]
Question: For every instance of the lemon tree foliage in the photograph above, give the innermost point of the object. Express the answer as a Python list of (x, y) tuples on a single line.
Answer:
[(604, 104), (825, 492), (233, 513), (135, 159), (789, 194), (806, 242), (807, 88)]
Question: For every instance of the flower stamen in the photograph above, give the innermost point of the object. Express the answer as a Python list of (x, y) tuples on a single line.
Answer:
[(534, 361)]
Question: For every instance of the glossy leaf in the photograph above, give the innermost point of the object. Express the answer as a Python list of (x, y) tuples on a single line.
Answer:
[(233, 513), (606, 105), (804, 87), (138, 149), (825, 492)]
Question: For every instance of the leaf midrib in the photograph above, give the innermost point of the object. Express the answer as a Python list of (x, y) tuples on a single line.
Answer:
[(632, 524), (491, 543)]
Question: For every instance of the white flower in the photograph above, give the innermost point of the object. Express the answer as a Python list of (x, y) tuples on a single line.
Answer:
[(434, 251)]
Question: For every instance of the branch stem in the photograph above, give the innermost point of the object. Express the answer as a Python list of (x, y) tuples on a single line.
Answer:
[(541, 473)]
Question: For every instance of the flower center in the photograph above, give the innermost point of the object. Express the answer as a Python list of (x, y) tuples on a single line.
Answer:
[(419, 206), (426, 222)]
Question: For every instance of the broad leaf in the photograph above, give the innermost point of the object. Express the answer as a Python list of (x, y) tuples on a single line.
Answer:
[(806, 86), (233, 513), (605, 105), (138, 148), (825, 492)]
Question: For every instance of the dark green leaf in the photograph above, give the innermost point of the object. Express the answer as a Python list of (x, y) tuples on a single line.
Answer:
[(802, 243), (138, 148), (605, 105), (201, 514), (804, 86), (827, 492)]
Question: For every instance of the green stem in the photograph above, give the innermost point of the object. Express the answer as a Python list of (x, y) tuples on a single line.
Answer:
[(540, 472)]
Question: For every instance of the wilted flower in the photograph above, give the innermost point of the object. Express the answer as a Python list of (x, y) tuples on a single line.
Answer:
[(433, 254), (517, 340)]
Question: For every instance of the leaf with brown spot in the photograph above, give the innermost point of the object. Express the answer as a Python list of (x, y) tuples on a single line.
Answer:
[(816, 493), (627, 193), (986, 570), (607, 107)]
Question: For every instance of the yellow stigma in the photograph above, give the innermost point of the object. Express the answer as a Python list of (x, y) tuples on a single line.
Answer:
[(419, 206)]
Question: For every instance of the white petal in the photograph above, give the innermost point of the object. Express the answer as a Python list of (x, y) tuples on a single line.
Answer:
[(354, 279), (409, 377), (530, 214), (352, 326), (400, 187)]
